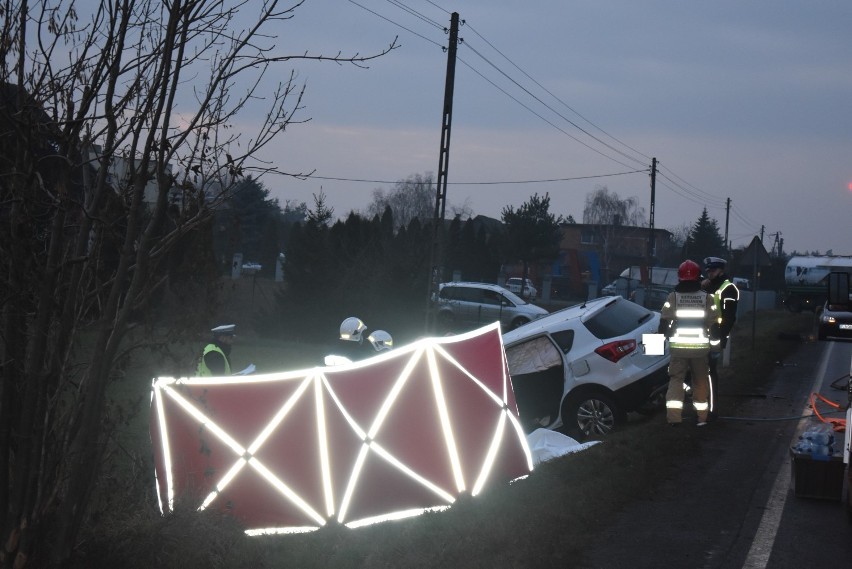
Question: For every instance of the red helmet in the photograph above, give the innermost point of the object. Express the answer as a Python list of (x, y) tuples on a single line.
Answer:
[(689, 271)]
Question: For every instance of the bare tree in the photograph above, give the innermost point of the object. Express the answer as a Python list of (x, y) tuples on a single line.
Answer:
[(608, 213), (117, 127), (413, 197), (680, 234)]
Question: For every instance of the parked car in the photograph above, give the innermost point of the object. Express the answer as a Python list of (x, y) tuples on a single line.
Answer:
[(251, 268), (522, 287), (471, 304), (583, 368), (835, 321)]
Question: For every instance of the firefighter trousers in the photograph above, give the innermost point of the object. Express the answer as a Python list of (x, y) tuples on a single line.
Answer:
[(678, 368)]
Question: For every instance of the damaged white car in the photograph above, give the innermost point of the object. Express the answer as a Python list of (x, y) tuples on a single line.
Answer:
[(582, 369)]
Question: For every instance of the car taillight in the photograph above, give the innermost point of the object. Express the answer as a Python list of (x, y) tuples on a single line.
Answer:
[(614, 351)]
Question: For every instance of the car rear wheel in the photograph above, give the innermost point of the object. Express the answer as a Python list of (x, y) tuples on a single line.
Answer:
[(590, 414), (655, 403), (518, 322)]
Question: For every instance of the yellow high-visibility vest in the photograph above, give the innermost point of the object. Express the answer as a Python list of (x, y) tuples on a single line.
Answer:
[(203, 370)]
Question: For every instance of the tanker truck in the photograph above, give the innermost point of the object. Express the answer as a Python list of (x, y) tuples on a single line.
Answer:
[(805, 279)]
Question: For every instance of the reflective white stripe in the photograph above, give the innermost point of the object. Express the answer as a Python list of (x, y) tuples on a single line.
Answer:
[(674, 404), (689, 332), (701, 406), (689, 313)]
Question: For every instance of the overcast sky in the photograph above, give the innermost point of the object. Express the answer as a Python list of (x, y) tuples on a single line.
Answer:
[(750, 101)]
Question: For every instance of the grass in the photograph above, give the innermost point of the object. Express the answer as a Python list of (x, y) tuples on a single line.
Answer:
[(541, 521)]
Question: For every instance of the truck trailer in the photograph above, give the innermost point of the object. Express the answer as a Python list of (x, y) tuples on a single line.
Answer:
[(806, 278)]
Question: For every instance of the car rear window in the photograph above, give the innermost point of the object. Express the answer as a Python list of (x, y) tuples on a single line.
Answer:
[(617, 319), (565, 339)]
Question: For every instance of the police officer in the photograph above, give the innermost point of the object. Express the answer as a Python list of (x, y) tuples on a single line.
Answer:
[(726, 296), (214, 359), (686, 319)]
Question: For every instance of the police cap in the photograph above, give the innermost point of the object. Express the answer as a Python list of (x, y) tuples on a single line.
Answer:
[(714, 263), (224, 330)]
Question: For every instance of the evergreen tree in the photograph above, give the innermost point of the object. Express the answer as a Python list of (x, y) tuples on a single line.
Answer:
[(704, 240), (248, 223), (532, 232)]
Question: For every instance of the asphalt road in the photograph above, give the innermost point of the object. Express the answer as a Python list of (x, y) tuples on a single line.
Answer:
[(732, 504)]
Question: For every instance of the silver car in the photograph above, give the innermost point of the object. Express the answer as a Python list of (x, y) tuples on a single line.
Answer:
[(470, 304), (582, 368)]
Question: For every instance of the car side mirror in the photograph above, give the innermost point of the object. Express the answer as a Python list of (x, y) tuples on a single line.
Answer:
[(838, 289)]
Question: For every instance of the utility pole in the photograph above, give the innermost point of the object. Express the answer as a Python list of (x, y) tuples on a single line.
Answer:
[(727, 222), (436, 252), (651, 244), (776, 245), (762, 227)]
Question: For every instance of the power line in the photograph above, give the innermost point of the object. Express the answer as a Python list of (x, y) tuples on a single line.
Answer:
[(438, 7), (396, 24), (543, 88), (698, 198), (742, 218), (566, 133), (489, 183), (719, 201), (554, 111), (416, 14)]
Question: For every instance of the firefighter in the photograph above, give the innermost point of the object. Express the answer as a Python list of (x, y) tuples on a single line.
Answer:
[(726, 296), (214, 359), (353, 332), (686, 319)]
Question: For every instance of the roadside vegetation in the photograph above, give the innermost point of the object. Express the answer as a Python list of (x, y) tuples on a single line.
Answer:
[(541, 521)]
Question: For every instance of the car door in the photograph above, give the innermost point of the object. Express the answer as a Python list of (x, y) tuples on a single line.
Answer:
[(491, 306)]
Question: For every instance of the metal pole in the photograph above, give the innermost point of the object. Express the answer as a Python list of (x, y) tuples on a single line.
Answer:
[(651, 244), (436, 253)]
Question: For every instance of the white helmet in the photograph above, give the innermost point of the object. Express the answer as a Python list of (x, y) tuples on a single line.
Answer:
[(381, 340), (714, 263), (351, 329)]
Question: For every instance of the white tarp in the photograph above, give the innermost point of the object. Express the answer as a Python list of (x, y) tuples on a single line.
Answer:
[(546, 444)]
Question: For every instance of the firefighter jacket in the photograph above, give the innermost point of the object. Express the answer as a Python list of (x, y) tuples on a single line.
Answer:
[(687, 318), (205, 371)]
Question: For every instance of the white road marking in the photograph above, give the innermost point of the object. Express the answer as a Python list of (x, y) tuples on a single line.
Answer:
[(764, 539)]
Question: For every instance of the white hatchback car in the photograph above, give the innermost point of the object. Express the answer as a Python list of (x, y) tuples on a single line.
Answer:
[(582, 368), (515, 284)]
